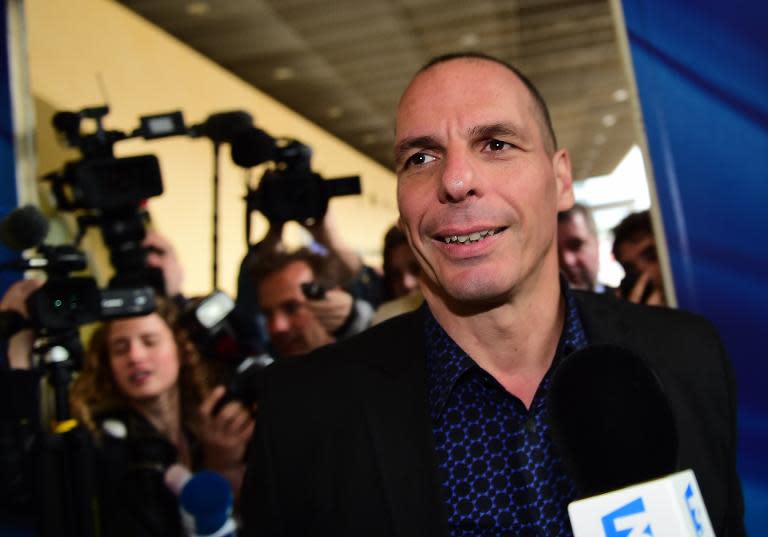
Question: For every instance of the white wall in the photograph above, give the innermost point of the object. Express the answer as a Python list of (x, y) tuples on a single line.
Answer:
[(75, 45)]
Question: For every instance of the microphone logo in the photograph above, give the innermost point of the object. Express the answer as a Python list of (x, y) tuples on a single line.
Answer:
[(629, 520), (691, 501)]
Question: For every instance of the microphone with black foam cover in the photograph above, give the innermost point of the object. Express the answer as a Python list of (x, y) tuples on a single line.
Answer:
[(611, 419), (252, 147), (23, 228), (617, 434), (223, 127)]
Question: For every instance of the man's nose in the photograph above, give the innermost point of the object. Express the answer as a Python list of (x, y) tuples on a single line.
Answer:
[(569, 258), (410, 281), (278, 323), (458, 181)]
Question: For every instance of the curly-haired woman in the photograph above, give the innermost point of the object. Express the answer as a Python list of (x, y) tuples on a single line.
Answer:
[(144, 392)]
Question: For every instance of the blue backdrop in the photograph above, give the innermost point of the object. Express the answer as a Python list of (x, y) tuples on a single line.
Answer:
[(8, 199), (702, 76)]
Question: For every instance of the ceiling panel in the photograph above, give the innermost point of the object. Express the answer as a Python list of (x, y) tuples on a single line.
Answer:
[(344, 63)]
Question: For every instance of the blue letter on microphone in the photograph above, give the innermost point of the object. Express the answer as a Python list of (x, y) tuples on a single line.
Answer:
[(629, 520), (693, 511)]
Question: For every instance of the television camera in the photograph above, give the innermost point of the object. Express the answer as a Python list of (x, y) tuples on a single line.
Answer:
[(109, 192), (288, 190), (63, 303), (51, 474)]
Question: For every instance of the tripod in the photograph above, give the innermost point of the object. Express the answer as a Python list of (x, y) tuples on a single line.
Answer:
[(64, 478)]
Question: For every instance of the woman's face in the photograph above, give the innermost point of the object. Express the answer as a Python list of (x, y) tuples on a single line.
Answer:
[(143, 357)]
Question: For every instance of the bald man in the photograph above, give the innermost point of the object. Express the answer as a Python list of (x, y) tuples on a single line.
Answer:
[(435, 422)]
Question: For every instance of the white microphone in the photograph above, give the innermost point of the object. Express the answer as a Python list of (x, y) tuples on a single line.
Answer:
[(670, 506)]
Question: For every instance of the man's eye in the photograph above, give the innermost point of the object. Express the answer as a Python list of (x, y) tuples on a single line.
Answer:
[(419, 159), (497, 145), (292, 307)]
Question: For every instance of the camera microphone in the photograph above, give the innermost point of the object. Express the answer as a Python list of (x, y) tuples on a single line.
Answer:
[(23, 228), (253, 147), (223, 127)]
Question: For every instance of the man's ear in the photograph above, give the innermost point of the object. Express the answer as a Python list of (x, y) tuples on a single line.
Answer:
[(561, 164)]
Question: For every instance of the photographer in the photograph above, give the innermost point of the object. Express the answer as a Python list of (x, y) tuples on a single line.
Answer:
[(144, 393), (298, 295), (634, 247), (19, 414), (343, 311)]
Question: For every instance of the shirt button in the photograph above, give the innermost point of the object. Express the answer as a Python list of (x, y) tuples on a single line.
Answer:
[(530, 425)]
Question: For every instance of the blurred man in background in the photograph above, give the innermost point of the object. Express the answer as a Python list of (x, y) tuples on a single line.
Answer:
[(634, 247), (304, 309), (401, 277), (578, 248)]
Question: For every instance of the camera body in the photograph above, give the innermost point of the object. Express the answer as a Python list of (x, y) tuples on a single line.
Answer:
[(629, 281), (301, 195), (109, 192), (208, 322), (290, 190)]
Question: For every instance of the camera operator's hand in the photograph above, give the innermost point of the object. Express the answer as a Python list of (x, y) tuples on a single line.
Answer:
[(333, 309), (325, 232), (645, 291), (15, 299), (273, 240), (224, 435), (162, 255)]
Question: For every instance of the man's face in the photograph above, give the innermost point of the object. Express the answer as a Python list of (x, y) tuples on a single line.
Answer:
[(478, 189), (578, 251), (639, 255), (293, 328), (402, 270)]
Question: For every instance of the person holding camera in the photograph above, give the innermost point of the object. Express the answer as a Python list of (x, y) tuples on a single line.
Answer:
[(302, 304), (578, 248), (344, 308), (634, 247), (144, 393), (402, 273)]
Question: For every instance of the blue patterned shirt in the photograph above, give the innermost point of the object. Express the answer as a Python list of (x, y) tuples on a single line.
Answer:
[(500, 472)]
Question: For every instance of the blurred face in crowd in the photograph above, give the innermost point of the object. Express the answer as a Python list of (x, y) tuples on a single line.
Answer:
[(639, 255), (402, 270), (578, 251), (479, 184), (143, 357), (293, 328)]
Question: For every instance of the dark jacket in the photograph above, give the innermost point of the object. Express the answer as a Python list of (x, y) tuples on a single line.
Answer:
[(344, 447), (133, 498)]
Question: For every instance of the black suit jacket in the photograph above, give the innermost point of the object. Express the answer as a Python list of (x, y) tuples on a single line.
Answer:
[(344, 447)]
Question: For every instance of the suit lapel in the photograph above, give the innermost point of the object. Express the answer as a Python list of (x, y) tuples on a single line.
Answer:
[(402, 437), (601, 321)]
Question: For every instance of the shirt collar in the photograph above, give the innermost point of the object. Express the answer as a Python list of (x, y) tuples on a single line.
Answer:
[(447, 362)]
